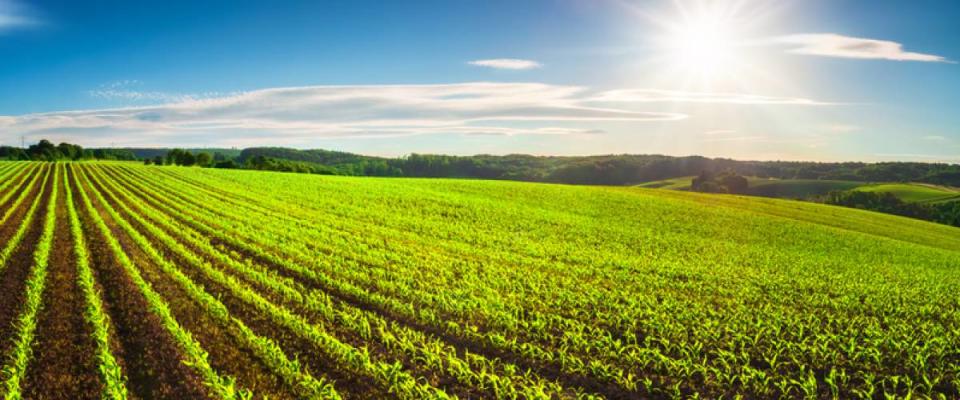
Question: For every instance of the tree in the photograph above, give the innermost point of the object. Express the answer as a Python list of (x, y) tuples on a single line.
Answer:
[(70, 151), (734, 183), (158, 160), (204, 159), (173, 157), (229, 164), (187, 159), (725, 182), (44, 151)]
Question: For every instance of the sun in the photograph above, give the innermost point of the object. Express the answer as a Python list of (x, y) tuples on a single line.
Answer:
[(703, 43), (703, 46)]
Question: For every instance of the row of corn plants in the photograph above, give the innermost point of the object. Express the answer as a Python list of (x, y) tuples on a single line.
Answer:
[(261, 232), (357, 360), (11, 175), (22, 352), (413, 345), (752, 303), (219, 386), (114, 380), (25, 224), (266, 349)]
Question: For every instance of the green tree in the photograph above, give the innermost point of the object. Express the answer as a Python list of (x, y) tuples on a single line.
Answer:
[(204, 159)]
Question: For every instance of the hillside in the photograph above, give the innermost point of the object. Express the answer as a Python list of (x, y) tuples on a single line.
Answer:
[(301, 285), (807, 188), (919, 193)]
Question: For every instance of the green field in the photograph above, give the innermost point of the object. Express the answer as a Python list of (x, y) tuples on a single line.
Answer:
[(918, 193), (781, 188), (176, 282), (805, 188)]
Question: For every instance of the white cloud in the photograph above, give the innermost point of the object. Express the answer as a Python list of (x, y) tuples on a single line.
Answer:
[(13, 16), (834, 45), (935, 138), (506, 63), (133, 95), (304, 114), (675, 96)]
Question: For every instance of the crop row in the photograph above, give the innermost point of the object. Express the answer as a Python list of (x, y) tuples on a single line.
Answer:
[(359, 288)]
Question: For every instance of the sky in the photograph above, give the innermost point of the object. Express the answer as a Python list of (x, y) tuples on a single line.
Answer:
[(822, 80)]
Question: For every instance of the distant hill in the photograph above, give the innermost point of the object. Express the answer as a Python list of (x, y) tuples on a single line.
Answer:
[(808, 188), (918, 193), (614, 169), (611, 169)]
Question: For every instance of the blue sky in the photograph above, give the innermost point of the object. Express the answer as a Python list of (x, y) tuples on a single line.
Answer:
[(812, 79)]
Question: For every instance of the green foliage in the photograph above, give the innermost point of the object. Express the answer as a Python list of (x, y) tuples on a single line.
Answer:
[(491, 289), (114, 381), (624, 169), (909, 192), (648, 294), (724, 182), (26, 324), (889, 202)]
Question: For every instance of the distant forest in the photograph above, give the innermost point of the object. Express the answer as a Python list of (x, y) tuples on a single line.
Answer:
[(623, 169), (47, 151)]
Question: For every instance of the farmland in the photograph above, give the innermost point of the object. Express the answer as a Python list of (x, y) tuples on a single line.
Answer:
[(915, 192), (804, 188), (130, 281)]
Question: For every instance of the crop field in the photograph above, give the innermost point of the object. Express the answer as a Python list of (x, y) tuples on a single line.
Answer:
[(780, 188), (127, 281)]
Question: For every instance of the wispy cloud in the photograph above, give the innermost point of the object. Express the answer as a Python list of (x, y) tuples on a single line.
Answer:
[(13, 15), (674, 96), (935, 138), (506, 63), (304, 114), (127, 91), (834, 45)]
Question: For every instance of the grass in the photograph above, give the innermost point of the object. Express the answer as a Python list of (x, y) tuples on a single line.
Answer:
[(805, 188), (913, 192), (352, 288)]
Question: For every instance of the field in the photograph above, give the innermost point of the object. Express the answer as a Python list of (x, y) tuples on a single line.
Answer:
[(130, 281), (804, 188), (918, 193)]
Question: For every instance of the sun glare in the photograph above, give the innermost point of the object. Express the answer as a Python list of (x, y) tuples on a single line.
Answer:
[(701, 42), (704, 46)]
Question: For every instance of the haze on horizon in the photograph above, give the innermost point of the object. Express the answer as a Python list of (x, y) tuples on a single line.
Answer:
[(748, 79)]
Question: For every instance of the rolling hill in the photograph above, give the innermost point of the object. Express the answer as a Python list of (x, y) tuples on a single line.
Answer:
[(203, 283), (806, 188), (914, 192)]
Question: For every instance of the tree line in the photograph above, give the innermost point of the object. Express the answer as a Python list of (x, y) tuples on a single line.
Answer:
[(44, 150), (886, 202), (623, 169)]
